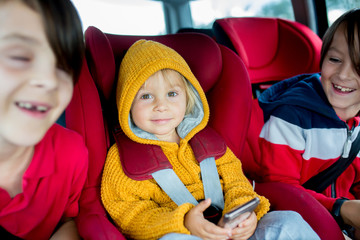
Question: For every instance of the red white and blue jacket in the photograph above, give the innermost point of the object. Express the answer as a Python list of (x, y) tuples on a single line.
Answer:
[(302, 136)]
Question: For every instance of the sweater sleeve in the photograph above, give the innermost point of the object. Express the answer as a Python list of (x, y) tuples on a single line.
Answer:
[(132, 206), (282, 146), (237, 188)]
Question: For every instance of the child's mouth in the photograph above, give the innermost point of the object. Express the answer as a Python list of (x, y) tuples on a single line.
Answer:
[(343, 89), (33, 107), (161, 121)]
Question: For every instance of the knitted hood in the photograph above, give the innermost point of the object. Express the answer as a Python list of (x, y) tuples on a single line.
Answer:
[(143, 59)]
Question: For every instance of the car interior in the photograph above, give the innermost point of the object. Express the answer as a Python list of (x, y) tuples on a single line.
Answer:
[(235, 59), (226, 80)]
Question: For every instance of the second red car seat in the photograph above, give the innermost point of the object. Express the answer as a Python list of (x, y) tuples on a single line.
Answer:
[(272, 49)]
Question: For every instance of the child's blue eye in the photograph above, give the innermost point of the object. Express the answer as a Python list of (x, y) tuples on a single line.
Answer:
[(172, 94), (146, 96)]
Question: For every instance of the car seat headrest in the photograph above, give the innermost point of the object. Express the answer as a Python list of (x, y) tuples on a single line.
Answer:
[(272, 48), (200, 52), (101, 60)]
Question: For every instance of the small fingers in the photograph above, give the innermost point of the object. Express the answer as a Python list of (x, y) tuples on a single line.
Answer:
[(203, 205), (252, 218), (212, 231), (246, 228)]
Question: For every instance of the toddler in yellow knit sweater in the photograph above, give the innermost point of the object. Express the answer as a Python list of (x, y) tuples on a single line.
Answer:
[(154, 180)]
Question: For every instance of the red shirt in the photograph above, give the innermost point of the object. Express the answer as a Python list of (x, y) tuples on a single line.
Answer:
[(51, 186)]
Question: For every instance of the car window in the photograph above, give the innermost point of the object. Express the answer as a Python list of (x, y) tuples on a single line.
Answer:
[(204, 12), (112, 17), (337, 7)]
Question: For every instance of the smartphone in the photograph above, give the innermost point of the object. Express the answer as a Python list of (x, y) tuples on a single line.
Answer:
[(238, 214)]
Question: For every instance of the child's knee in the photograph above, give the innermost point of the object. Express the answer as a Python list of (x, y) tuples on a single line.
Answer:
[(285, 225), (287, 219), (178, 236)]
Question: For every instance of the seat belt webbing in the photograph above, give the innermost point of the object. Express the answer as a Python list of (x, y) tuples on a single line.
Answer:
[(176, 190), (211, 182)]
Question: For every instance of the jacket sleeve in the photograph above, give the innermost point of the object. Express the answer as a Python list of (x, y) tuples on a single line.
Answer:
[(282, 146), (130, 203), (236, 187), (355, 189)]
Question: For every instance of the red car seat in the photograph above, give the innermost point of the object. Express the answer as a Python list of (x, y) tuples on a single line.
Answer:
[(272, 49), (92, 112), (84, 115), (92, 109)]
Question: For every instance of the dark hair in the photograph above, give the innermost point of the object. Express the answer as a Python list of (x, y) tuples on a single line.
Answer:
[(64, 32), (351, 23)]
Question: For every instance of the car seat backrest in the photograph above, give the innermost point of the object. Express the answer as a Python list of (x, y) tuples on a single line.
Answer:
[(206, 31), (92, 111), (272, 49), (206, 59), (84, 115)]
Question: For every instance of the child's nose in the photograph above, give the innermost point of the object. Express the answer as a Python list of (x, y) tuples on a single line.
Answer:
[(347, 71), (45, 79), (161, 105)]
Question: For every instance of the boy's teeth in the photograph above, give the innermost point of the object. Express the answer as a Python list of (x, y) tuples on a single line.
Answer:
[(342, 88), (41, 108), (25, 105), (29, 106)]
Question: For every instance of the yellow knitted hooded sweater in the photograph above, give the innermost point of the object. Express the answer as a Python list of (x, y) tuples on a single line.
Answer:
[(141, 209)]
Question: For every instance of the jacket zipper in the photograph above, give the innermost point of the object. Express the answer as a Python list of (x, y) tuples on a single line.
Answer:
[(345, 154), (333, 189), (347, 145)]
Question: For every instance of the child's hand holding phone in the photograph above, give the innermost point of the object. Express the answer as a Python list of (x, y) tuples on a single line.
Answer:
[(196, 223), (242, 220), (238, 214), (245, 229)]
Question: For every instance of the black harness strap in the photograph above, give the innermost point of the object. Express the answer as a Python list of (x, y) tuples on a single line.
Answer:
[(322, 180)]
